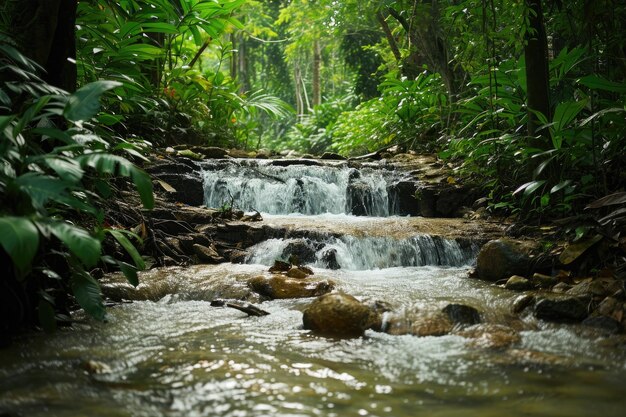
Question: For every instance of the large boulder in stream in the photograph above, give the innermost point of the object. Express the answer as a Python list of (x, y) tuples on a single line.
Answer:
[(500, 259), (339, 315), (281, 287), (561, 308), (302, 249)]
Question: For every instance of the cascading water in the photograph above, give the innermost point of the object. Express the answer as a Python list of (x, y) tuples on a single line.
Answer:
[(363, 253), (305, 189), (178, 356)]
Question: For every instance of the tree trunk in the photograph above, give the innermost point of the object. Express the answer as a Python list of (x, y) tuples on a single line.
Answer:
[(297, 79), (537, 77), (45, 32), (242, 60), (393, 45), (317, 64)]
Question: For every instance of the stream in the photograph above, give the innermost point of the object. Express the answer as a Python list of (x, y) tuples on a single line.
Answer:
[(170, 353)]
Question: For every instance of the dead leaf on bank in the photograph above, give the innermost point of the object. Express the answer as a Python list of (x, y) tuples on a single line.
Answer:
[(166, 186), (574, 250)]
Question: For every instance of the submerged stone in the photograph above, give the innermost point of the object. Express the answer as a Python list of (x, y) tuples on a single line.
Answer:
[(281, 287), (462, 314), (339, 315)]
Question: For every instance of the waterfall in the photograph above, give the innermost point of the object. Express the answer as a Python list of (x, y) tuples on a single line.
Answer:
[(362, 253), (305, 189)]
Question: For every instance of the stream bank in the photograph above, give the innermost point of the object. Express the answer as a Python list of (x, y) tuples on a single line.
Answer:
[(430, 340)]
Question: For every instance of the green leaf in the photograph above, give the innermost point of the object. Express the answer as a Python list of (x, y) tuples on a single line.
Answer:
[(45, 311), (565, 112), (40, 188), (560, 186), (87, 293), (119, 235), (85, 102), (529, 187), (105, 163), (20, 239), (600, 83), (67, 169), (130, 272), (80, 243)]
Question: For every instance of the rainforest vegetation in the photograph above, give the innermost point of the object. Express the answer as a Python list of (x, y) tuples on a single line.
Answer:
[(525, 97)]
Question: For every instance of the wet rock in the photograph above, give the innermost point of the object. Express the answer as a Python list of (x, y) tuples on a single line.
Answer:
[(206, 254), (184, 178), (490, 336), (604, 323), (462, 314), (96, 367), (196, 215), (339, 315), (500, 259), (610, 306), (518, 283), (332, 155), (600, 287), (561, 288), (236, 256), (281, 287), (210, 152), (560, 308), (255, 217), (289, 162), (359, 197), (543, 281), (521, 303), (299, 272), (418, 323), (302, 249), (280, 266), (402, 198), (329, 259)]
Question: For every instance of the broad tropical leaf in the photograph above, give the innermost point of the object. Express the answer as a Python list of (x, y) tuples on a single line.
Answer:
[(120, 236), (85, 102), (87, 293), (84, 246), (20, 239)]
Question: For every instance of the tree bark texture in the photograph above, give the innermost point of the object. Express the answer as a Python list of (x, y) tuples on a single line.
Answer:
[(537, 76)]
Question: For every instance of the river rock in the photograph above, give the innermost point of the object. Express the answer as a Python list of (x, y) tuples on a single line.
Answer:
[(302, 249), (418, 323), (521, 303), (560, 308), (604, 323), (210, 152), (402, 195), (299, 272), (561, 288), (543, 281), (206, 254), (518, 283), (281, 287), (339, 315), (329, 259), (491, 336), (461, 314), (500, 259), (359, 196), (599, 287), (280, 266), (333, 156)]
